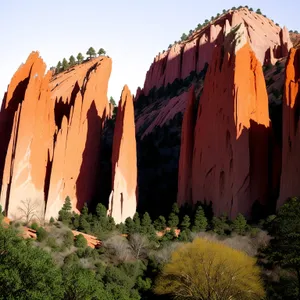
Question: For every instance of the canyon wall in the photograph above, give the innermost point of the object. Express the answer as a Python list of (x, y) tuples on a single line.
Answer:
[(290, 132), (268, 41), (230, 155)]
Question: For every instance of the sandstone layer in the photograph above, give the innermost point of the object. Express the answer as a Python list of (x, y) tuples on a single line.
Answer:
[(230, 152), (123, 200), (290, 175)]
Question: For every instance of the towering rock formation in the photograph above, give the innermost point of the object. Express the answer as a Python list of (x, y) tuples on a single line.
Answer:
[(291, 132), (50, 129), (29, 138), (268, 41), (123, 200), (82, 105), (230, 154)]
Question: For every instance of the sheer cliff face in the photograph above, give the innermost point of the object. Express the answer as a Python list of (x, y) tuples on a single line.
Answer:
[(290, 131), (50, 136), (230, 147), (123, 200), (268, 41)]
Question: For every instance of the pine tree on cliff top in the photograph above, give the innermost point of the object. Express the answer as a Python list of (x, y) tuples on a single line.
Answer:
[(91, 52)]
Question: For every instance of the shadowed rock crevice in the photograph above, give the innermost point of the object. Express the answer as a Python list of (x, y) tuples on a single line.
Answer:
[(87, 179)]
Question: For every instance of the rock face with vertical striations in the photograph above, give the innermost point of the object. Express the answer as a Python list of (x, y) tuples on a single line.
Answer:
[(268, 41), (230, 152), (28, 139), (291, 132), (184, 194), (50, 131), (82, 106), (123, 200)]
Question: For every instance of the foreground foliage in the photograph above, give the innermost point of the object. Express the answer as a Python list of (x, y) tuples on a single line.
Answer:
[(207, 270)]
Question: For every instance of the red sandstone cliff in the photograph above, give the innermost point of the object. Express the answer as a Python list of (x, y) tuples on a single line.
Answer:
[(290, 131), (184, 194), (230, 162), (50, 133), (81, 96), (268, 41), (123, 200)]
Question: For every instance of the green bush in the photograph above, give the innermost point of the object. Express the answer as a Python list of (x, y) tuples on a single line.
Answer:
[(80, 241), (41, 234)]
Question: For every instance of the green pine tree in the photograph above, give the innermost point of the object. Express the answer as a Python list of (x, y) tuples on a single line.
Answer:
[(80, 58), (58, 67), (65, 64), (160, 223), (200, 221), (186, 223), (101, 51), (173, 220), (65, 213), (72, 61), (239, 225), (91, 52)]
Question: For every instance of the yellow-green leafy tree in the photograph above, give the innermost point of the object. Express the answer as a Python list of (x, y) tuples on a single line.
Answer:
[(207, 270)]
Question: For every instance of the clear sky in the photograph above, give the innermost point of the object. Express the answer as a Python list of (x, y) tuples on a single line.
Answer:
[(132, 31)]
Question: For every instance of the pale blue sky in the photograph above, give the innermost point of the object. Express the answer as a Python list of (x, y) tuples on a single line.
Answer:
[(132, 31)]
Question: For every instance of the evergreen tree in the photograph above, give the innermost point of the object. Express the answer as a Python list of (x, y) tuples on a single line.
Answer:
[(186, 223), (101, 51), (224, 11), (175, 208), (72, 61), (146, 220), (84, 219), (160, 223), (284, 248), (239, 225), (183, 37), (258, 11), (173, 220), (200, 221), (129, 225), (58, 67), (27, 272), (112, 101), (137, 222), (170, 46), (65, 64), (91, 52), (65, 214), (80, 241), (80, 58), (220, 225), (101, 211)]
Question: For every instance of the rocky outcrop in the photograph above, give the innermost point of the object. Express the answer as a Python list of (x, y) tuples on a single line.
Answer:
[(82, 102), (290, 129), (230, 154), (268, 41), (123, 200), (29, 139), (50, 129)]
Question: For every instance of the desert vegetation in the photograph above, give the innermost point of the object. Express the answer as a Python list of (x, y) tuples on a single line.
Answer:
[(163, 258)]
